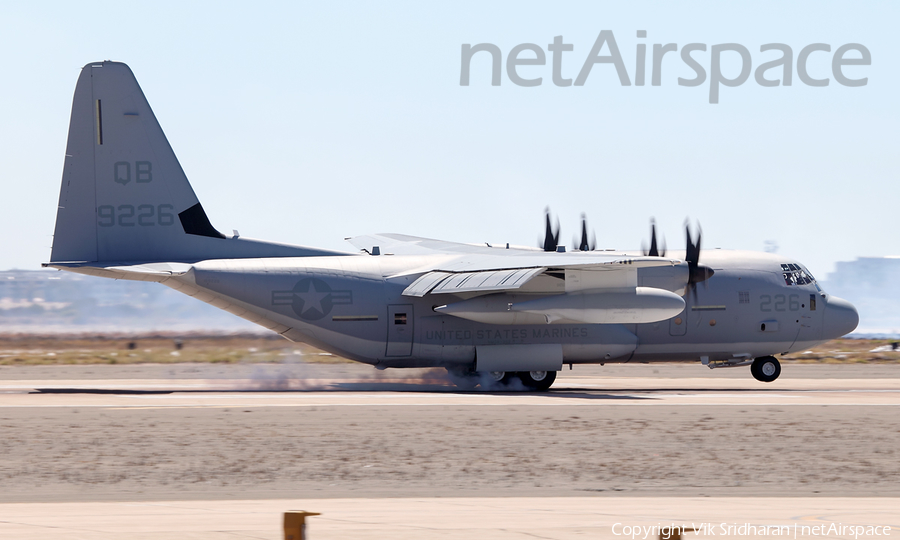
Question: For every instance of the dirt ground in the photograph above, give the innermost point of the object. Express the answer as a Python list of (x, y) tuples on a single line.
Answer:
[(66, 349)]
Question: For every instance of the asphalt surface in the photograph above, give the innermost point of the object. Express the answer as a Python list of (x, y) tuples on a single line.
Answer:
[(207, 445)]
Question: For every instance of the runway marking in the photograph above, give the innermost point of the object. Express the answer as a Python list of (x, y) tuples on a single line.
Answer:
[(451, 404), (488, 395), (732, 395), (375, 394)]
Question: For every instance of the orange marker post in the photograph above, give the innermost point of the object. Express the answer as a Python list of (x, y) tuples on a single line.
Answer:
[(295, 524)]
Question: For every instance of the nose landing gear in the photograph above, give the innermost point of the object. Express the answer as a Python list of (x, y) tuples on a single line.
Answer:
[(765, 368)]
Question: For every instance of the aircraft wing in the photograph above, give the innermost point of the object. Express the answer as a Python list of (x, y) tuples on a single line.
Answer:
[(401, 244), (478, 273), (479, 257), (465, 268)]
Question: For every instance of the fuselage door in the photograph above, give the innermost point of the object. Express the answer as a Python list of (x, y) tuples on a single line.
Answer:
[(400, 330), (678, 324)]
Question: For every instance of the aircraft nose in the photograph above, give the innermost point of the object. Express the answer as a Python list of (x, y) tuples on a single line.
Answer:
[(841, 318)]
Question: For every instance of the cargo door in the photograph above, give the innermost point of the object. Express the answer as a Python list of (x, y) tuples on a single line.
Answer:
[(400, 330)]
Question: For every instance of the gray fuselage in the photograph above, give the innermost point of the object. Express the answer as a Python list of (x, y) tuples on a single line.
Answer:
[(756, 304)]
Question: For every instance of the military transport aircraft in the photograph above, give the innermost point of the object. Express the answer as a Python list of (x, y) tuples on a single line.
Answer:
[(488, 314)]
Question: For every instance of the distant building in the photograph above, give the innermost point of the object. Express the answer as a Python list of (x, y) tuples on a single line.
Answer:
[(872, 284)]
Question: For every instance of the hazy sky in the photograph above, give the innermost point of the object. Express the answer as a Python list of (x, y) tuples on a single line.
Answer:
[(310, 122)]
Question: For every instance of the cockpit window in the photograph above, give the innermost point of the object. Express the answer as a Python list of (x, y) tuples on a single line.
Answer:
[(793, 274)]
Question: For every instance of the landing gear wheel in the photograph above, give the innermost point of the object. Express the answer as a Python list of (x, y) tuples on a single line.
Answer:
[(496, 380), (537, 380), (500, 377), (765, 368), (463, 379)]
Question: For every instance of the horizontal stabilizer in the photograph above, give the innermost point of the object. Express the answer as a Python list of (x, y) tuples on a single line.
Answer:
[(135, 272)]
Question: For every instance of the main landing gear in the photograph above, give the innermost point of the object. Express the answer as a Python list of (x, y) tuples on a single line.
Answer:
[(537, 380), (503, 380), (765, 368)]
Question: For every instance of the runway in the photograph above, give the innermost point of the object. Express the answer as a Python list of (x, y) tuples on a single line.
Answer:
[(220, 451), (432, 390)]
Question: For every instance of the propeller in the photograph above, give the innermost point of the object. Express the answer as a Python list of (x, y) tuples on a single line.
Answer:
[(551, 237), (654, 251), (697, 273), (586, 244)]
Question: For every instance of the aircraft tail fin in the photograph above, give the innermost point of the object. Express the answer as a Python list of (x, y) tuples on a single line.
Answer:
[(124, 196)]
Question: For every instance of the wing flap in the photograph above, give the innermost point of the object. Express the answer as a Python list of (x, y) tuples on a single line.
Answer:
[(461, 282), (425, 283)]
